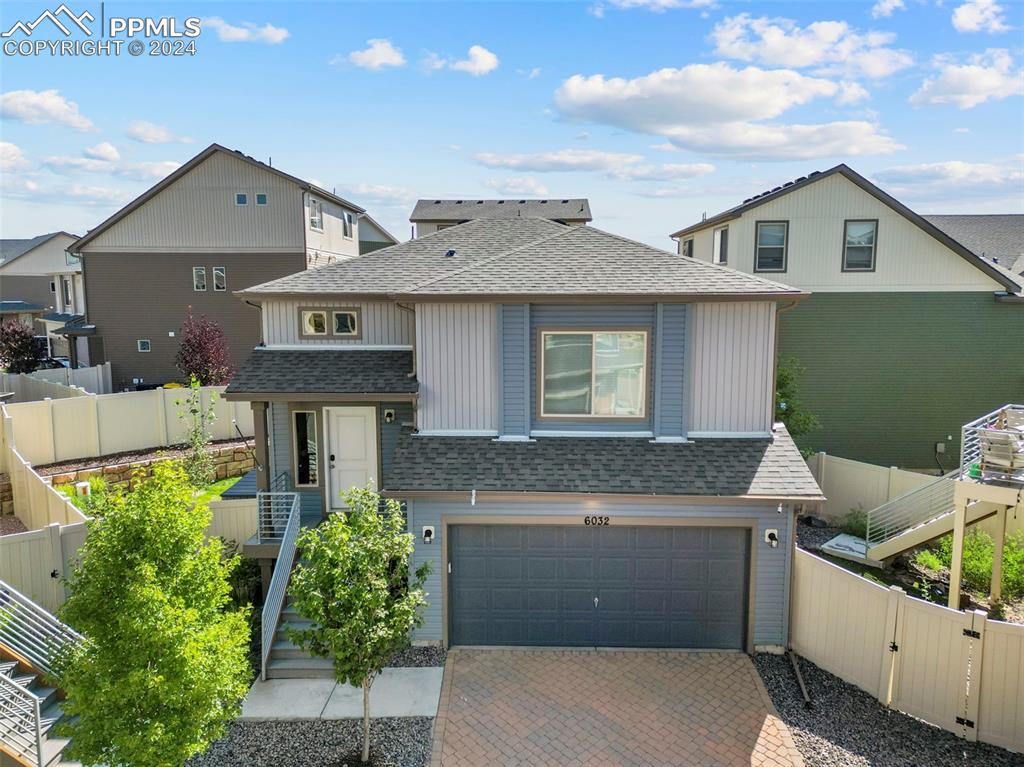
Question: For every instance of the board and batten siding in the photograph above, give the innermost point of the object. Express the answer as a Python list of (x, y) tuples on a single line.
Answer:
[(670, 371), (515, 369), (329, 244), (732, 347), (907, 258), (384, 323), (281, 452), (457, 367), (197, 213), (772, 566)]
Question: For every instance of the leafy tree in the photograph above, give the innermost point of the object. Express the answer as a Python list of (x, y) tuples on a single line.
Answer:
[(788, 407), (164, 667), (18, 348), (355, 586), (203, 353), (197, 462)]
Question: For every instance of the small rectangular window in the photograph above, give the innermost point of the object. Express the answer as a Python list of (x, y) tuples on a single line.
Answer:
[(199, 278), (220, 278), (241, 198), (316, 215), (312, 322), (261, 198), (143, 345), (593, 374), (306, 448), (686, 248), (346, 323), (53, 286), (721, 251), (65, 284), (347, 224), (859, 243), (771, 243)]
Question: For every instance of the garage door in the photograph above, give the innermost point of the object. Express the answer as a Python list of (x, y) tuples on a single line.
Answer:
[(586, 586)]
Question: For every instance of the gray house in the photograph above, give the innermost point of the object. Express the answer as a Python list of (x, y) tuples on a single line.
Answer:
[(432, 215), (586, 459)]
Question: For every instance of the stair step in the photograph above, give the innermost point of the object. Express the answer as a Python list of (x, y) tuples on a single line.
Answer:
[(49, 716), (300, 668), (7, 667), (285, 648), (52, 750)]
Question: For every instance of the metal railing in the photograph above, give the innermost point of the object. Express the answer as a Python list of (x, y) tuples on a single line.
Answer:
[(911, 510), (273, 601), (273, 508), (21, 727), (990, 446), (30, 632)]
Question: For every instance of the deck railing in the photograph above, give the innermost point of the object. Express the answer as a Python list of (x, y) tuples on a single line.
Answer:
[(990, 446), (273, 602), (30, 632), (20, 722), (273, 509), (911, 509)]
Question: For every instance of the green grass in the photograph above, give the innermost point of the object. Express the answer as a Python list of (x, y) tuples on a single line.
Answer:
[(977, 567), (213, 492)]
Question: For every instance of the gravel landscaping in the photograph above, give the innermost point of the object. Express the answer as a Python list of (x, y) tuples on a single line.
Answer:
[(846, 726), (811, 538), (132, 456), (401, 742), (10, 524), (418, 657)]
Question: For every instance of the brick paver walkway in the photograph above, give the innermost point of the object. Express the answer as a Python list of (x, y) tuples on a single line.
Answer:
[(601, 709)]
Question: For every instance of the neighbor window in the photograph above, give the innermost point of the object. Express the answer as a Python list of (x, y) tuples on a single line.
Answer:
[(721, 251), (770, 247), (220, 278), (316, 215), (347, 223), (143, 345), (313, 322), (686, 248), (306, 453), (593, 374), (261, 198), (199, 278), (241, 198), (346, 323), (53, 286), (859, 240)]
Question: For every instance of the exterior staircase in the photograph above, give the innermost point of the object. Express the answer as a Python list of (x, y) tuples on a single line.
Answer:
[(289, 661)]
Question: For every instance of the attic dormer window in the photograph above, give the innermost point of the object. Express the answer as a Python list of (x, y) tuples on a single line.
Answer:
[(316, 215)]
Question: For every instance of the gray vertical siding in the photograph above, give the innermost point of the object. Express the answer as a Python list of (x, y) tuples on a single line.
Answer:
[(669, 368), (585, 316), (515, 367), (310, 500), (771, 576), (384, 323), (389, 433)]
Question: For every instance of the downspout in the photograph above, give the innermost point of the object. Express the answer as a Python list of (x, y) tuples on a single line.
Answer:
[(259, 308), (412, 373)]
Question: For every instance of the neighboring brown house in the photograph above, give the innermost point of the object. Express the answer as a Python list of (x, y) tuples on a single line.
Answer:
[(220, 223)]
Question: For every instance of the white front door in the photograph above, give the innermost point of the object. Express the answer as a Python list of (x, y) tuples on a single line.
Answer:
[(351, 451)]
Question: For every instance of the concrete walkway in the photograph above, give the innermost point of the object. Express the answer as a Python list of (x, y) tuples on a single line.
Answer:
[(396, 692)]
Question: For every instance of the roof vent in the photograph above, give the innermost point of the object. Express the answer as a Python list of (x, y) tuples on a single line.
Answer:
[(458, 202), (501, 202), (788, 183), (437, 202), (543, 202), (814, 173), (776, 189), (522, 202), (564, 202), (802, 178), (479, 202), (450, 253)]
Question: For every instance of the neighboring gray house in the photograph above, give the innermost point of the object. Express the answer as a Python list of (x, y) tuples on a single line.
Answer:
[(219, 223), (998, 237), (29, 268), (585, 459), (433, 215)]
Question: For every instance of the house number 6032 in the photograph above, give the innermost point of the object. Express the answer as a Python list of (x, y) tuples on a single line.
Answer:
[(599, 521)]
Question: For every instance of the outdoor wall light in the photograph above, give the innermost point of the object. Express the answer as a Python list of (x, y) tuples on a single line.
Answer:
[(428, 533), (771, 537)]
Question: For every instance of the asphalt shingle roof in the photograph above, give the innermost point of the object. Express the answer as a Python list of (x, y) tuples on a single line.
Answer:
[(12, 249), (521, 257), (465, 210), (323, 371), (990, 235), (707, 467), (18, 306)]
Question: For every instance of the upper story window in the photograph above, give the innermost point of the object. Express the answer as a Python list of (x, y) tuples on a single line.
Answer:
[(720, 254), (316, 215), (65, 285), (593, 374), (686, 248), (770, 246), (859, 241), (199, 278), (220, 278), (312, 322), (306, 448), (346, 323), (261, 198), (241, 198), (53, 286), (143, 345), (348, 224)]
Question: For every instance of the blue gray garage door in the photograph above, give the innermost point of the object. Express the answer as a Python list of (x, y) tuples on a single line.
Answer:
[(586, 586)]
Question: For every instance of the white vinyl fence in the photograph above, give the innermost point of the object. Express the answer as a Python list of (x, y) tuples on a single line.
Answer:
[(95, 379), (28, 388), (957, 670), (233, 519), (37, 562)]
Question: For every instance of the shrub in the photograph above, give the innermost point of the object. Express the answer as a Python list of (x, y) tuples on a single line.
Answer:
[(1013, 565), (855, 523), (197, 462), (928, 560), (91, 505), (18, 349), (203, 353), (788, 406), (977, 567)]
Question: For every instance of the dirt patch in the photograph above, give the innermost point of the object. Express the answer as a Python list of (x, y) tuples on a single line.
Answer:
[(133, 456), (10, 524)]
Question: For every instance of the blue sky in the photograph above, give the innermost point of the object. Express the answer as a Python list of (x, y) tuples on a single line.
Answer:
[(657, 110)]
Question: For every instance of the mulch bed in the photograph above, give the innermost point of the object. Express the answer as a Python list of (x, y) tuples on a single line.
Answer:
[(131, 456), (418, 657)]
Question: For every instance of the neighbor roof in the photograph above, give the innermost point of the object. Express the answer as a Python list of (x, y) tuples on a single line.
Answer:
[(769, 467), (325, 371), (997, 272), (188, 166), (11, 250), (17, 307), (526, 257), (992, 235), (575, 209)]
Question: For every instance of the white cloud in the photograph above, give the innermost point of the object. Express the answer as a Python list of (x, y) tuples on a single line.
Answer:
[(380, 53), (985, 76), (761, 141), (830, 46), (432, 62), (12, 159), (941, 179), (979, 16), (559, 160), (146, 171), (151, 133), (41, 107), (103, 151), (518, 187), (596, 10), (661, 5), (247, 32), (479, 62), (380, 194), (851, 93), (664, 172), (885, 8), (97, 195), (961, 130)]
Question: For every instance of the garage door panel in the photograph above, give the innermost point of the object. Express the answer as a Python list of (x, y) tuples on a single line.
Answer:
[(686, 572), (578, 569), (507, 568), (689, 538), (542, 568), (544, 537), (658, 538), (613, 569), (725, 539), (617, 538), (648, 569)]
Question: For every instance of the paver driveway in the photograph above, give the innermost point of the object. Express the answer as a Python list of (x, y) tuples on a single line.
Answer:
[(606, 708)]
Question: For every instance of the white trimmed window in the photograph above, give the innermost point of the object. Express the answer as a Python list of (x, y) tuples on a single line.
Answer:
[(261, 198), (860, 239), (312, 322), (593, 374), (771, 243), (241, 198), (220, 278), (306, 447), (720, 254), (686, 248), (143, 345), (199, 278), (348, 224), (316, 215)]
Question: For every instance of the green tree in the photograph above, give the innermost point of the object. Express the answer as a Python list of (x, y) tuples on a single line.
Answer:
[(197, 462), (18, 349), (355, 586), (164, 667), (788, 407)]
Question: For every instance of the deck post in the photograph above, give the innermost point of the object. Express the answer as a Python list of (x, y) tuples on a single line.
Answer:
[(259, 420), (996, 589), (959, 529)]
